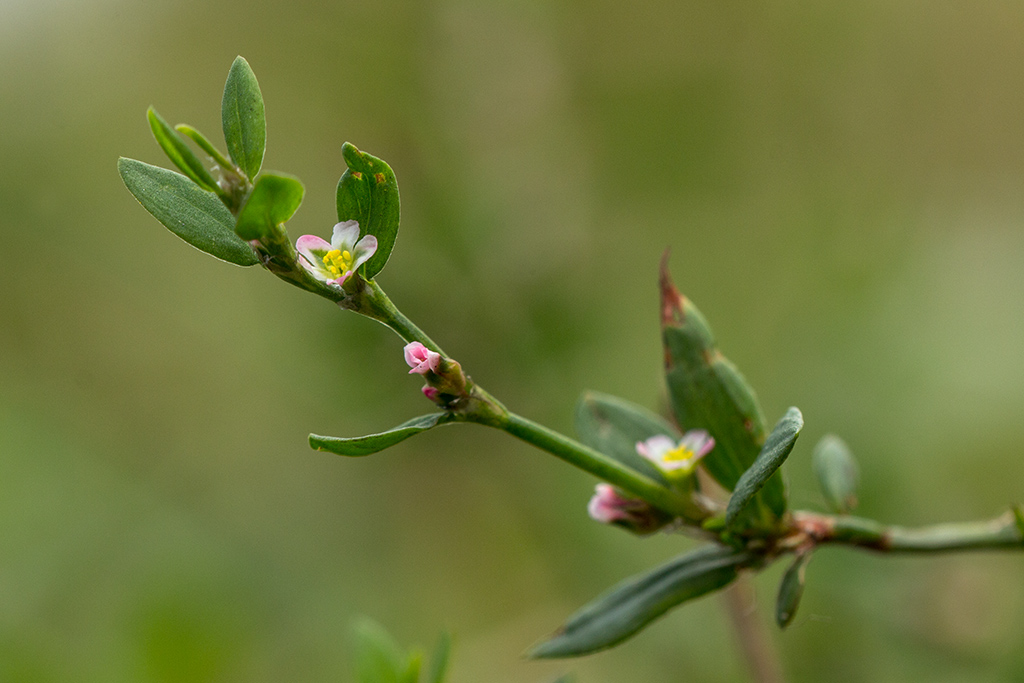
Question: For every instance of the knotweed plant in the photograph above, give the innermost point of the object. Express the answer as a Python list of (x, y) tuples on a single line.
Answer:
[(710, 470)]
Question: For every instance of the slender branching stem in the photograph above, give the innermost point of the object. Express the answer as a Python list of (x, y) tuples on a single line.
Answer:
[(1002, 533)]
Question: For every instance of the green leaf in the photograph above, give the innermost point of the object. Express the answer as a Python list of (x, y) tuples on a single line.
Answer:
[(178, 152), (791, 589), (777, 448), (614, 426), (191, 213), (368, 193), (708, 392), (410, 671), (243, 118), (274, 199), (378, 657), (205, 145), (638, 601), (439, 660), (366, 445), (837, 473)]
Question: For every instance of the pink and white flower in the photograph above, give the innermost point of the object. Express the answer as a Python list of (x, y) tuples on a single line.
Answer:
[(677, 459), (334, 262), (421, 359)]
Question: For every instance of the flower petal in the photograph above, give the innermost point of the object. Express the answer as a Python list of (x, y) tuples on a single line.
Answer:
[(312, 249), (698, 442), (363, 250), (655, 447), (345, 235)]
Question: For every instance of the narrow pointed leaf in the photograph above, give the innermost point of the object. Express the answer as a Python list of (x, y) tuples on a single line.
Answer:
[(274, 199), (410, 673), (708, 392), (243, 118), (777, 448), (191, 213), (178, 152), (367, 445), (368, 193), (378, 657), (837, 473), (636, 602), (439, 660), (791, 589), (205, 145), (614, 426)]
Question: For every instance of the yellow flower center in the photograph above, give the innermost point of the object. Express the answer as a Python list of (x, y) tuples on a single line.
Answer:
[(337, 261), (678, 454)]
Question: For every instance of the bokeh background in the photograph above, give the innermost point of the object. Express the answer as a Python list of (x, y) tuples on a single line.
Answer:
[(842, 186)]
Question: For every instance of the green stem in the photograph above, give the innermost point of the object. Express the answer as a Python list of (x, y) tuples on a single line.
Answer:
[(595, 462), (366, 297), (374, 303), (1001, 533)]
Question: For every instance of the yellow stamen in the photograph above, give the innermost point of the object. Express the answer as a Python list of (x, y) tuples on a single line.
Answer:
[(337, 261)]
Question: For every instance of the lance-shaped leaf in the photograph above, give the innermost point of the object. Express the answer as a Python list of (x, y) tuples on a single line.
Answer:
[(439, 660), (791, 589), (243, 118), (379, 659), (368, 193), (777, 448), (274, 199), (837, 473), (638, 601), (708, 392), (367, 445), (614, 426), (177, 150), (191, 213), (205, 145)]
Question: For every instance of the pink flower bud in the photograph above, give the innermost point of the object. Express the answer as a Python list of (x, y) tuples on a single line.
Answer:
[(421, 359), (608, 506), (431, 393)]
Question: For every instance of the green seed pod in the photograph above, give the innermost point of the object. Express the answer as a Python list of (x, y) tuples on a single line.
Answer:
[(837, 473)]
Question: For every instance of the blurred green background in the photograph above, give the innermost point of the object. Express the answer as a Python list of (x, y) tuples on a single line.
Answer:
[(842, 185)]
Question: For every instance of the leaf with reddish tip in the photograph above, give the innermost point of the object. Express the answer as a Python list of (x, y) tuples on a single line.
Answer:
[(708, 392)]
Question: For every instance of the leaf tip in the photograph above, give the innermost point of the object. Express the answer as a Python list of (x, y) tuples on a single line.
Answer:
[(672, 302)]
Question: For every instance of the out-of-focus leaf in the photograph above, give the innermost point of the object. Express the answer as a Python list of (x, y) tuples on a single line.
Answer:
[(614, 426), (638, 601), (439, 661), (191, 213), (274, 199), (708, 392), (366, 445), (244, 119), (837, 473), (368, 193), (777, 448), (791, 589), (178, 152), (378, 657)]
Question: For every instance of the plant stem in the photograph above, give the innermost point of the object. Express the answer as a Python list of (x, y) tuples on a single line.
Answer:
[(595, 462), (1002, 533), (754, 639), (374, 303)]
